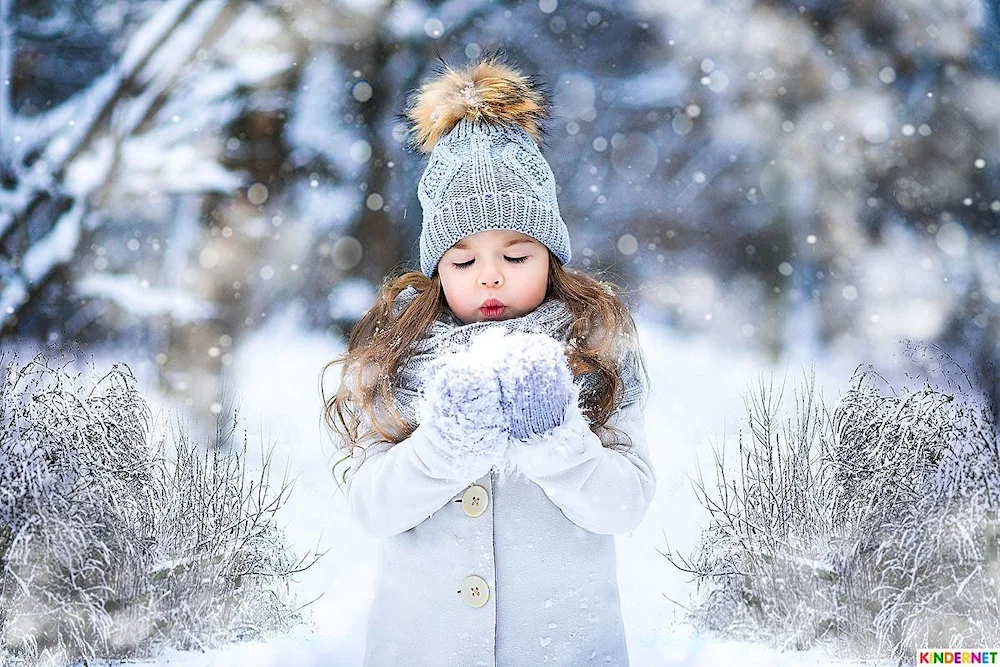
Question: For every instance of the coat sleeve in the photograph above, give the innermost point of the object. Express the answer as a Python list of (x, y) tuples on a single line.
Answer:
[(392, 488), (603, 490)]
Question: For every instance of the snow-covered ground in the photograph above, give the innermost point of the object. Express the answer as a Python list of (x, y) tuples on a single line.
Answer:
[(697, 403)]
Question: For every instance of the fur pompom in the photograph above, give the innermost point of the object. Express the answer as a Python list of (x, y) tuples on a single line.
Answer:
[(488, 90)]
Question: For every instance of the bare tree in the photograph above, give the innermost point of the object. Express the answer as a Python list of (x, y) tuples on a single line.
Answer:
[(51, 163)]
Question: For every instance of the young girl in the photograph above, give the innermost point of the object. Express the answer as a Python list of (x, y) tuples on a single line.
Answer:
[(491, 407)]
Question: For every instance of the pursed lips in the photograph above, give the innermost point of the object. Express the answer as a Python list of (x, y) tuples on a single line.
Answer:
[(492, 308)]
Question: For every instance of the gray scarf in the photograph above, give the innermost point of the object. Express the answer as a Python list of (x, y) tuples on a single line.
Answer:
[(448, 333)]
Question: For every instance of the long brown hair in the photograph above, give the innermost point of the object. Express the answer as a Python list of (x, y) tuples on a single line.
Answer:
[(602, 325)]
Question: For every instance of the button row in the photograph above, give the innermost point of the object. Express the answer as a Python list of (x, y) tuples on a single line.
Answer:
[(475, 591)]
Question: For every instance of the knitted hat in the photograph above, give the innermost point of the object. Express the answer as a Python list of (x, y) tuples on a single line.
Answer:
[(481, 126)]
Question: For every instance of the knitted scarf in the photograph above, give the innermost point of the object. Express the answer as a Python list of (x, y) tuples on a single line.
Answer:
[(448, 333)]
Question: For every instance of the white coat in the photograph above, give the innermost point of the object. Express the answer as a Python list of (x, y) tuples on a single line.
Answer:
[(501, 570)]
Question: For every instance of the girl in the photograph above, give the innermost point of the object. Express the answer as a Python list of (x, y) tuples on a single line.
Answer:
[(491, 408)]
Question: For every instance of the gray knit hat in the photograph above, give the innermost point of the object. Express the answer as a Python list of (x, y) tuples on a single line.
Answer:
[(481, 128)]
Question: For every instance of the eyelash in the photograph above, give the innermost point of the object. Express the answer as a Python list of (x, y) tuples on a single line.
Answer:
[(513, 260)]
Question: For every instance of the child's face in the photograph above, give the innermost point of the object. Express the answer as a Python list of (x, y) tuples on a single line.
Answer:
[(489, 265)]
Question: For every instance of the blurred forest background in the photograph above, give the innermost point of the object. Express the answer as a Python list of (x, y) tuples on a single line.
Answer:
[(809, 178)]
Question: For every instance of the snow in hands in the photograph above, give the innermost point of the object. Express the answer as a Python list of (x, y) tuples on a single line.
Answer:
[(462, 403), (502, 388)]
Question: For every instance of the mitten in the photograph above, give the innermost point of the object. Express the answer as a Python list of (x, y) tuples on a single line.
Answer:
[(535, 384), (462, 404)]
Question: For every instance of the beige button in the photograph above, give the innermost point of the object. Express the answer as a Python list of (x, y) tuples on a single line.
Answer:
[(475, 591), (475, 500)]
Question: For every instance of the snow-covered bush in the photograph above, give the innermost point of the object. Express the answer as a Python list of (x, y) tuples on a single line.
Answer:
[(874, 528), (918, 495), (113, 543)]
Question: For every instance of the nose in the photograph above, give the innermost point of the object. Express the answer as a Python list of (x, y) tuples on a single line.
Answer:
[(489, 276)]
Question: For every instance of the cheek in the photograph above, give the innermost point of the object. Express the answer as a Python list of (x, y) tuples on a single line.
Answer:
[(448, 280), (451, 285), (537, 283), (543, 282), (542, 277)]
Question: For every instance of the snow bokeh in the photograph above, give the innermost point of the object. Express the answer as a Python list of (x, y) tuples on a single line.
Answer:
[(212, 191)]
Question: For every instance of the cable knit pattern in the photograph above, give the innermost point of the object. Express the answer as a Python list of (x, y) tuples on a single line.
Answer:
[(483, 176)]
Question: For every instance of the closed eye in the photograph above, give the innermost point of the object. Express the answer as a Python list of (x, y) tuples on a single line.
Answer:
[(512, 260)]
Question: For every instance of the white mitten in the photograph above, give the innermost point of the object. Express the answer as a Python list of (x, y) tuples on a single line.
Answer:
[(462, 406)]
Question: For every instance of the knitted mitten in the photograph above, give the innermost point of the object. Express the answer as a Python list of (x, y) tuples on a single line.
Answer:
[(462, 403), (535, 384)]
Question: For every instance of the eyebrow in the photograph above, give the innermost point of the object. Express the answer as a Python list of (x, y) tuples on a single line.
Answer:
[(462, 246)]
